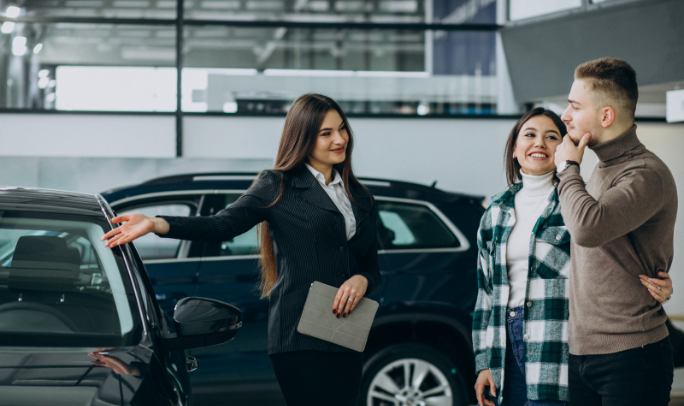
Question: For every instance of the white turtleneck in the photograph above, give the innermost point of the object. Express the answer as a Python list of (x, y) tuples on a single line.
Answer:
[(530, 202)]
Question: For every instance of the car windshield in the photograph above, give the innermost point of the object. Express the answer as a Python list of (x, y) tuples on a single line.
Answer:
[(60, 286)]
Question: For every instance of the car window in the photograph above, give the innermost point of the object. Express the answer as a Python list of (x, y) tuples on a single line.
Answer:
[(412, 226), (243, 244), (58, 281), (152, 247)]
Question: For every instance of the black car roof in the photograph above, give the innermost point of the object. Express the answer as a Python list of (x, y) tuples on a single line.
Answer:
[(242, 180), (48, 200)]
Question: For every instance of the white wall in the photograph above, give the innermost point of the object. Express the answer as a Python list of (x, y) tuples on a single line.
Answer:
[(94, 153), (463, 155), (455, 152), (86, 135), (95, 175)]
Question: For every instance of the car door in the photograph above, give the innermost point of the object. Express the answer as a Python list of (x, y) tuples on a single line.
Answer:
[(229, 271), (422, 252), (172, 275)]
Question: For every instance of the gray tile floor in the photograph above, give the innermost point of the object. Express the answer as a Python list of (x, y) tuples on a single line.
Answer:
[(275, 399), (269, 398), (268, 394)]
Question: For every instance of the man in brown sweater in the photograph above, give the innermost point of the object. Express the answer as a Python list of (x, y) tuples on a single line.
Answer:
[(622, 226)]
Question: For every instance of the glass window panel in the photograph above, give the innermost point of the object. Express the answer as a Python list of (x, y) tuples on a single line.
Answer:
[(150, 246), (412, 226), (243, 244), (386, 11), (155, 9), (262, 70), (521, 9), (464, 11), (57, 278), (88, 67)]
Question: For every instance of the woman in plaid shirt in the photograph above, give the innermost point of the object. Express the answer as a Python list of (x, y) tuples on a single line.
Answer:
[(520, 321)]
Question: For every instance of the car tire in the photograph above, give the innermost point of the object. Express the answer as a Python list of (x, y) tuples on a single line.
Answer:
[(438, 379)]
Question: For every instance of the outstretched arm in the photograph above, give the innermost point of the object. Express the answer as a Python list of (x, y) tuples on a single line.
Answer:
[(135, 226), (248, 211)]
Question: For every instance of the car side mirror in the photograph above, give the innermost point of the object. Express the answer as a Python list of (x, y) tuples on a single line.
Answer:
[(202, 322)]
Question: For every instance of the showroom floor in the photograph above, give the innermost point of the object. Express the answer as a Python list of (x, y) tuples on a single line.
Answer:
[(244, 399)]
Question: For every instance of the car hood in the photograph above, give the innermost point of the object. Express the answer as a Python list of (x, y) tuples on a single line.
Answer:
[(66, 376)]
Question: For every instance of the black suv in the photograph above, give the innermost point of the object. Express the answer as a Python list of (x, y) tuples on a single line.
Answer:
[(420, 346)]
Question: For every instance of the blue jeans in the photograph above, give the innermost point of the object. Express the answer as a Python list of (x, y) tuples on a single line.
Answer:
[(515, 387)]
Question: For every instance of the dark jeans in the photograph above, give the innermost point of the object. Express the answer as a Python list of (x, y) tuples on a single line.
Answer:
[(515, 386), (319, 378), (640, 376)]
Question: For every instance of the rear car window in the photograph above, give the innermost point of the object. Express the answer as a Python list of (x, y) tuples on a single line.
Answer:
[(243, 244), (151, 247), (59, 285), (412, 226)]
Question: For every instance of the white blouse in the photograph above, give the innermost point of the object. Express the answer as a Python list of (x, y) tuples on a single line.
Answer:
[(339, 197)]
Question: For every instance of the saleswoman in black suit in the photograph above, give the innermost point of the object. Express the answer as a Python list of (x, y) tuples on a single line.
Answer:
[(317, 223)]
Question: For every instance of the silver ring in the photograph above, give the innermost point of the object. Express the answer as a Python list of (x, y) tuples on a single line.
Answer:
[(658, 287), (350, 300)]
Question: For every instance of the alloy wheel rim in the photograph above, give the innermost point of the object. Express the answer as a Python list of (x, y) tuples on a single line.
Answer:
[(409, 382)]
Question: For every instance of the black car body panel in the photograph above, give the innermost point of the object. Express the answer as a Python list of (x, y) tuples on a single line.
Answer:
[(44, 375), (428, 288), (144, 365)]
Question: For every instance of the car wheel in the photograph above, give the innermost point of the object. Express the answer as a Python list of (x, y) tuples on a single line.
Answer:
[(411, 375)]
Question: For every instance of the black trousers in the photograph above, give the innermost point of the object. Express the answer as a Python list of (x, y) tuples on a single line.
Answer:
[(317, 378), (640, 376)]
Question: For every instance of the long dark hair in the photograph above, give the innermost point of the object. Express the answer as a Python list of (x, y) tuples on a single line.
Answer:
[(302, 124), (512, 165)]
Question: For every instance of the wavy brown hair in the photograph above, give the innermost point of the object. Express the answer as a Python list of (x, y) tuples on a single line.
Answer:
[(511, 164), (302, 125)]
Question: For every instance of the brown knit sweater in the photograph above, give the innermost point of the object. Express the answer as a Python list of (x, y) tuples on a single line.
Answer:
[(622, 225)]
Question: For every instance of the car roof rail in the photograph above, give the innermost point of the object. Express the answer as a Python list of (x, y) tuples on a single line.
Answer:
[(191, 177), (395, 183), (399, 184), (208, 176), (217, 176)]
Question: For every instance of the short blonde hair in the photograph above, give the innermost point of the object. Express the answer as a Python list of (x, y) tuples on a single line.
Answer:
[(614, 82)]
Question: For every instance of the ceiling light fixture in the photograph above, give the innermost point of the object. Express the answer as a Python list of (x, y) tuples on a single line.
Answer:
[(37, 48), (422, 109), (12, 12), (7, 27), (19, 46)]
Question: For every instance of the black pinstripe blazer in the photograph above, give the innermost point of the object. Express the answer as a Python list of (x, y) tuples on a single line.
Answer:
[(310, 244)]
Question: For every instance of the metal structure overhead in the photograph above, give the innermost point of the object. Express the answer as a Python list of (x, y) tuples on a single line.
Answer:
[(230, 52)]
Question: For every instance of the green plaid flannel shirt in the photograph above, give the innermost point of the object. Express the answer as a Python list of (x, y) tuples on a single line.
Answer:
[(545, 316)]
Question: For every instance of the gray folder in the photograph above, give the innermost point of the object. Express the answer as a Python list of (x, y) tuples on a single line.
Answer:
[(319, 321)]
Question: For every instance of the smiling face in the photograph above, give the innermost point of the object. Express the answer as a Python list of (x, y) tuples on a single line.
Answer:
[(582, 115), (536, 145), (331, 143)]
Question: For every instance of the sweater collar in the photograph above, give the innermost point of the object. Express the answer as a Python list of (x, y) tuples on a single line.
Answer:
[(507, 197), (618, 146), (540, 185)]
